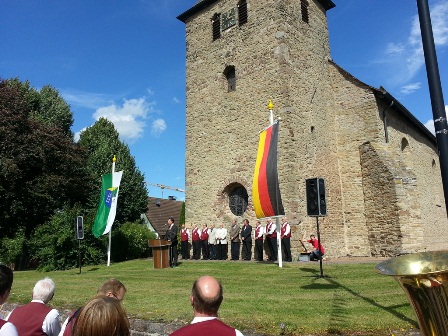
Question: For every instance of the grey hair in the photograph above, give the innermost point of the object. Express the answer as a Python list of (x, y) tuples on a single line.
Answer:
[(44, 290)]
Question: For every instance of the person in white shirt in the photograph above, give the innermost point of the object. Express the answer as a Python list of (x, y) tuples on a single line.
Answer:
[(285, 236), (212, 241), (221, 242), (271, 236), (36, 318), (6, 279), (184, 239), (258, 237)]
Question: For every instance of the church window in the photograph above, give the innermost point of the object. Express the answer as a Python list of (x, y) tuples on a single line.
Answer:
[(229, 72), (216, 26), (305, 13), (404, 144), (238, 199), (242, 12)]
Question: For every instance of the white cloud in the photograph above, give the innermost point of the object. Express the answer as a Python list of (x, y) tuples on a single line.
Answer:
[(78, 134), (85, 99), (407, 57), (158, 127), (410, 88), (176, 100), (430, 126), (128, 119)]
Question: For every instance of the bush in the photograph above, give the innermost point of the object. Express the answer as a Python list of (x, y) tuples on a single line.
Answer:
[(53, 245), (11, 249), (130, 241)]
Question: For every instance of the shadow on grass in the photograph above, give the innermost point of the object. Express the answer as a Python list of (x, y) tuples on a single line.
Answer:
[(93, 269), (338, 314)]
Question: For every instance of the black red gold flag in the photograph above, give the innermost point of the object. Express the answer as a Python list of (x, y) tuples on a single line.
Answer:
[(265, 188)]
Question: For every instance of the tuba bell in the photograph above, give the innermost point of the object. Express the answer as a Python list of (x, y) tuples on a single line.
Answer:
[(424, 278)]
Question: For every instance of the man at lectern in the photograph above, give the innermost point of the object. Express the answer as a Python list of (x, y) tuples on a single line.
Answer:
[(171, 235)]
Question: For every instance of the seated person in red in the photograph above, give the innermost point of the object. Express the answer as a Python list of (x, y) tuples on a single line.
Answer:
[(316, 254), (206, 297), (36, 318)]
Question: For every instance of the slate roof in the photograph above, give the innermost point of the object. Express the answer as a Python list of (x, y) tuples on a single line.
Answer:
[(159, 210)]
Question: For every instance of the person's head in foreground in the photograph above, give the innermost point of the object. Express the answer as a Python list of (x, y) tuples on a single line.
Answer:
[(206, 296), (103, 316)]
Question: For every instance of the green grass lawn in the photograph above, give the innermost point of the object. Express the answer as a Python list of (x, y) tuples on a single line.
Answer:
[(258, 297)]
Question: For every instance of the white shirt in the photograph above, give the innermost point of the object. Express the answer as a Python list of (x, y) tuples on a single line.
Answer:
[(199, 319), (212, 236), (8, 329), (222, 234), (260, 232), (272, 228)]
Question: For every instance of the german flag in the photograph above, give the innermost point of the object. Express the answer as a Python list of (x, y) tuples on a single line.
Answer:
[(265, 188)]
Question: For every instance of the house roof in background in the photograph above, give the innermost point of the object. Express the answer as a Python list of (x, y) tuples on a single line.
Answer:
[(159, 210)]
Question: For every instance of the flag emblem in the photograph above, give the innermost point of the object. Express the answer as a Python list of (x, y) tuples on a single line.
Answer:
[(107, 208)]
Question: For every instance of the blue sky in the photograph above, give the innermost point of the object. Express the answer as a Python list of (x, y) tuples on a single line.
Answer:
[(125, 60)]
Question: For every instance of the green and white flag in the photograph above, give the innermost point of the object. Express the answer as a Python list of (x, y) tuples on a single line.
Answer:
[(107, 209)]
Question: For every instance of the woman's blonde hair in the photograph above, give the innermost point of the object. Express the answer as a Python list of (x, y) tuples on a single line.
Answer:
[(102, 317)]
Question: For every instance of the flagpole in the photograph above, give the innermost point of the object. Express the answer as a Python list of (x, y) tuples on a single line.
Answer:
[(277, 219), (110, 231)]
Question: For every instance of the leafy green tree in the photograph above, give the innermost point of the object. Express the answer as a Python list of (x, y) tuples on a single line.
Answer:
[(130, 241), (102, 142), (41, 169)]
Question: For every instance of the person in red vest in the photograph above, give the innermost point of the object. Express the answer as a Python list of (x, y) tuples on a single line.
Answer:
[(258, 237), (196, 242), (285, 236), (184, 239), (204, 243), (6, 278), (206, 297), (271, 236), (318, 251), (36, 318), (111, 288)]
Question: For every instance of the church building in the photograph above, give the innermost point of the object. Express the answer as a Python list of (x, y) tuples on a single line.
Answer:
[(380, 164)]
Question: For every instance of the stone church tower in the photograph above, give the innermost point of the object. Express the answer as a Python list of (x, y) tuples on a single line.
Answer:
[(380, 165)]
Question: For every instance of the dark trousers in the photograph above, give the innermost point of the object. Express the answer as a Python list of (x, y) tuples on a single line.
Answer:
[(212, 251), (205, 250), (184, 250), (315, 255), (247, 250), (235, 251), (196, 249), (273, 248), (259, 249), (173, 253), (221, 251), (286, 243)]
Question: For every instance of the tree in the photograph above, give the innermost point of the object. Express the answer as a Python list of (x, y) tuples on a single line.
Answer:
[(41, 169), (102, 142)]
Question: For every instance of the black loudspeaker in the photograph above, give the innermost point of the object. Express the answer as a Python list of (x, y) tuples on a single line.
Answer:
[(316, 205), (79, 227)]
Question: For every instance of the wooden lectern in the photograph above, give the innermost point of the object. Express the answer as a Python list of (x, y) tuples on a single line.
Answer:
[(160, 255)]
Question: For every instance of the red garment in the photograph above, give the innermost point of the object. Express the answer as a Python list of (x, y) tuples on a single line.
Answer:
[(316, 244), (283, 230), (213, 327), (184, 235), (29, 318), (71, 322), (204, 235), (2, 322), (195, 235), (257, 233)]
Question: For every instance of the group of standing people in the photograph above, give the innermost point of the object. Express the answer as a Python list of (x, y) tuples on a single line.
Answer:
[(212, 242)]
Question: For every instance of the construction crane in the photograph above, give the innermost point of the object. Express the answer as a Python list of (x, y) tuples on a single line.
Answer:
[(161, 186)]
